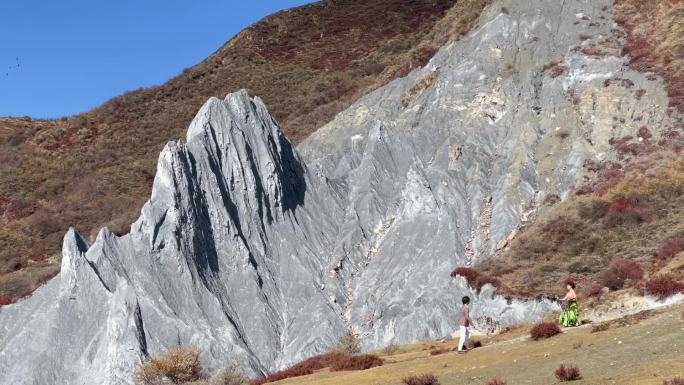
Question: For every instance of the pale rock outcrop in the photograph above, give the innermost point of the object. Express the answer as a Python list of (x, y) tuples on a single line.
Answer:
[(254, 251)]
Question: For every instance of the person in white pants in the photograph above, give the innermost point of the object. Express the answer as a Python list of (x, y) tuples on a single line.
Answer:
[(464, 324)]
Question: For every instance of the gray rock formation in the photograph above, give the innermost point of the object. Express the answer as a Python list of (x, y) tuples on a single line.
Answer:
[(253, 251)]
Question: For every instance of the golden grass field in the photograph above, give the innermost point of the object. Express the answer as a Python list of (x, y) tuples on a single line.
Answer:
[(647, 349)]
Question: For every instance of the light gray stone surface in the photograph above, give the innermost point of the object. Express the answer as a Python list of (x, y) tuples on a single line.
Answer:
[(253, 251)]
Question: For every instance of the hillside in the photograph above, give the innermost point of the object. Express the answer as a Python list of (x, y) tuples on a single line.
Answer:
[(95, 169), (543, 144), (644, 349), (629, 206)]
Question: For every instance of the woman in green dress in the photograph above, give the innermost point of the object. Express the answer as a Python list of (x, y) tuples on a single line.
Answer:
[(570, 314)]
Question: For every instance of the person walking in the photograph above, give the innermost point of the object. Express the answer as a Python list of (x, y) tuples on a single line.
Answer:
[(570, 314), (464, 324)]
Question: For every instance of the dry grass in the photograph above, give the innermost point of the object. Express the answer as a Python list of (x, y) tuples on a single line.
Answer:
[(519, 360), (420, 379), (177, 366), (96, 169)]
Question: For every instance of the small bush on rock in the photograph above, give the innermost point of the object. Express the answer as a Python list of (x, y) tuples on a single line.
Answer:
[(544, 330), (470, 275), (663, 286), (568, 373), (178, 366), (349, 344), (474, 278), (230, 375), (422, 379)]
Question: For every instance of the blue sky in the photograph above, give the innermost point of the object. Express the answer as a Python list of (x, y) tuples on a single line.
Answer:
[(62, 57)]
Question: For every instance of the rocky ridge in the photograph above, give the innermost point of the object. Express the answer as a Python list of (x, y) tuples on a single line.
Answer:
[(256, 251)]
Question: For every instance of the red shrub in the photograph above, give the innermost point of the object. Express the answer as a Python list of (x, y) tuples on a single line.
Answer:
[(303, 368), (423, 379), (619, 272), (675, 381), (4, 300), (496, 381), (568, 373), (544, 330), (619, 205), (362, 362), (671, 248), (283, 374), (471, 275), (663, 286)]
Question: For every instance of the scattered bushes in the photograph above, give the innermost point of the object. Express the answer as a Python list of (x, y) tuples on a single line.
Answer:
[(361, 362), (544, 330), (671, 248), (663, 286), (496, 381), (568, 373), (422, 379), (621, 272), (675, 381), (178, 365)]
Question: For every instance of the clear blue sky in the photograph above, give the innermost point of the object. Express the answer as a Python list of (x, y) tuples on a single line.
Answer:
[(75, 54)]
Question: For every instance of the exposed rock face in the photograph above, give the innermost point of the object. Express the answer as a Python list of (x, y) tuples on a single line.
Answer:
[(253, 252)]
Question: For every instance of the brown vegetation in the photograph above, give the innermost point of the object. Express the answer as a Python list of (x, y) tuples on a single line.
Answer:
[(568, 373), (177, 366), (654, 45), (631, 213), (420, 379), (96, 169), (360, 362), (663, 286), (544, 330), (437, 352), (303, 368)]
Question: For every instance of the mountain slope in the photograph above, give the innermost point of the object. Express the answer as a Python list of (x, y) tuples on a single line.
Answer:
[(96, 168), (252, 250), (231, 254)]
